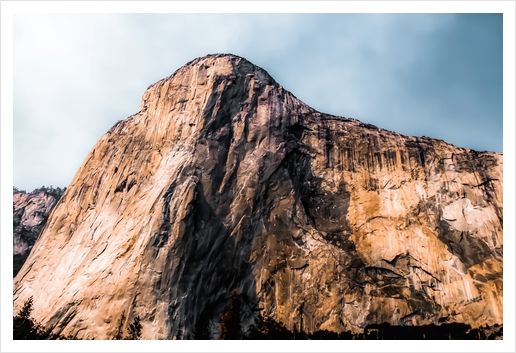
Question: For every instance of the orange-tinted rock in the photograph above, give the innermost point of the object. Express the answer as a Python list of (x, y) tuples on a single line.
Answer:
[(225, 180)]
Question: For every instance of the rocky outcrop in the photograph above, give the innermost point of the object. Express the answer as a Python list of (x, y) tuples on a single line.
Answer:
[(224, 180), (30, 214)]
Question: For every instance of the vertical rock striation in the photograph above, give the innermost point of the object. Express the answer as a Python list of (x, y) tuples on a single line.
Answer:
[(223, 180)]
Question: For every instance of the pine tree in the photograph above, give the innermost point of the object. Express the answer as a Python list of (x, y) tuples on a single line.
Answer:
[(135, 329), (27, 328), (23, 324), (230, 327)]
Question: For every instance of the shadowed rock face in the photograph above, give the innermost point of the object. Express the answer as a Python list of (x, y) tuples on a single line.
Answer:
[(30, 214), (225, 180)]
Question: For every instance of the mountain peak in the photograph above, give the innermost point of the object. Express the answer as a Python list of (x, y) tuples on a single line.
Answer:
[(224, 180), (220, 64)]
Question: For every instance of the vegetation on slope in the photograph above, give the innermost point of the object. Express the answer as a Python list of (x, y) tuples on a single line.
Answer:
[(25, 327)]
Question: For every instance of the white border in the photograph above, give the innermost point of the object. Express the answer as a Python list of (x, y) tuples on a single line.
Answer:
[(8, 9), (256, 6)]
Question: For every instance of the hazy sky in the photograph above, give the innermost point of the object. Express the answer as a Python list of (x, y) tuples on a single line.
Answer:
[(75, 75), (438, 75)]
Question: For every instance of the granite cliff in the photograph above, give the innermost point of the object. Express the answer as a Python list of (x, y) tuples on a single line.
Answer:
[(30, 214), (224, 180)]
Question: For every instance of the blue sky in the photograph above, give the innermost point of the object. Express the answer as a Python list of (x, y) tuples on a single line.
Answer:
[(75, 75)]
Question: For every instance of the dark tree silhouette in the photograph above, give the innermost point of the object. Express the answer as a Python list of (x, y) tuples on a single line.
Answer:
[(135, 329), (202, 327), (27, 328), (230, 327), (23, 324), (269, 329)]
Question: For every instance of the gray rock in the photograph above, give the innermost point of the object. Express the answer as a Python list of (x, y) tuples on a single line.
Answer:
[(30, 214)]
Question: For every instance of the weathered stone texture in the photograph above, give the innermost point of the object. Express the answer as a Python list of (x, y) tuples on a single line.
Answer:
[(224, 180), (30, 214)]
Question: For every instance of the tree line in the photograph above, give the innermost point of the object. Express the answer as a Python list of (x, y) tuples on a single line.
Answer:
[(57, 192), (265, 328), (25, 327)]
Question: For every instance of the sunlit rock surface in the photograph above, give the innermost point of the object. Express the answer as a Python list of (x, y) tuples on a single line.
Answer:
[(30, 214), (223, 180)]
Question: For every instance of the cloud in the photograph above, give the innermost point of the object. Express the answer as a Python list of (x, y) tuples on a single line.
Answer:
[(75, 75)]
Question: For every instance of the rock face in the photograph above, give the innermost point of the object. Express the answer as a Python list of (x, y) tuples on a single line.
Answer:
[(30, 213), (225, 180)]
